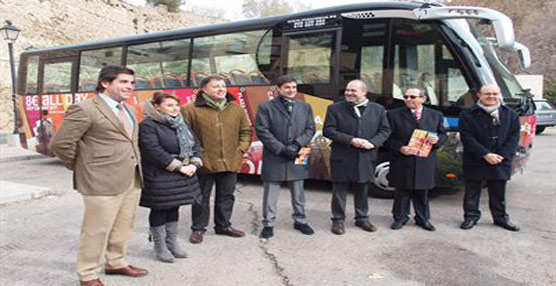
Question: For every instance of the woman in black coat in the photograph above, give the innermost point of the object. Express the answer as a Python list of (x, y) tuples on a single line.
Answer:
[(170, 158)]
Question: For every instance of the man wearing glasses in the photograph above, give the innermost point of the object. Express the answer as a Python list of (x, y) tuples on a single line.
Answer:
[(413, 173), (490, 134)]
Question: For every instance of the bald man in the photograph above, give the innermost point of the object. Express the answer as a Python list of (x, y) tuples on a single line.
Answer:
[(490, 134), (357, 127)]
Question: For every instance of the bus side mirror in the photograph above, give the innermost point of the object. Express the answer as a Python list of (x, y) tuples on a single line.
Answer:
[(524, 55)]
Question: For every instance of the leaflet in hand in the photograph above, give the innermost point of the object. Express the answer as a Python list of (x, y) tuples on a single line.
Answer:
[(303, 156), (420, 144)]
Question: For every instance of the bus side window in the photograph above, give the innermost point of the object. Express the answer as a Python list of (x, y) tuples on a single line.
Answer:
[(92, 62)]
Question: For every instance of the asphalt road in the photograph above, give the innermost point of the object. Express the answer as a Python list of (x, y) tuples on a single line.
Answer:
[(38, 239)]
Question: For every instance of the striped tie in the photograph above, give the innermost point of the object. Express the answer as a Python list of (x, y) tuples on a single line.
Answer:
[(125, 120), (417, 114)]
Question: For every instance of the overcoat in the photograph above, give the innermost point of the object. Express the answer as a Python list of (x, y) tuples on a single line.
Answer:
[(276, 129), (347, 163), (480, 136), (412, 172), (165, 187)]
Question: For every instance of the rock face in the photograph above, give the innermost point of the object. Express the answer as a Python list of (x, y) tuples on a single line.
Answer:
[(47, 23)]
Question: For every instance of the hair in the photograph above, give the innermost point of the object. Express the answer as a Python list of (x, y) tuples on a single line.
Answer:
[(160, 96), (421, 90), (110, 73), (210, 78), (361, 83), (283, 79)]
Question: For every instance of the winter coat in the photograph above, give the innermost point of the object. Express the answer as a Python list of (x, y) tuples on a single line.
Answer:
[(412, 172), (165, 187), (276, 128), (347, 163), (480, 136), (225, 135)]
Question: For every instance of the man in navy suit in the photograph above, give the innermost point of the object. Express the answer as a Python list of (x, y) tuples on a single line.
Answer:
[(490, 135)]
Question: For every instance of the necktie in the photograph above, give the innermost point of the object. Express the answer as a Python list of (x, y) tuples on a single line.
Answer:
[(417, 114), (125, 120), (361, 109), (289, 106)]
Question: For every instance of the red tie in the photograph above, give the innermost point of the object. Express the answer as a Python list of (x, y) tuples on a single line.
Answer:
[(125, 120), (417, 114)]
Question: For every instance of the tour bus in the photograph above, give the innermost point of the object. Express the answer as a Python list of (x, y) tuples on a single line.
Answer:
[(449, 51)]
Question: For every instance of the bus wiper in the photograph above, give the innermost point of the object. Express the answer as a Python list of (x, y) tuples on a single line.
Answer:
[(526, 105)]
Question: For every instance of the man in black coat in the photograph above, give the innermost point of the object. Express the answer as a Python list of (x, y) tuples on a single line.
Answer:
[(413, 175), (284, 125), (490, 134), (357, 127)]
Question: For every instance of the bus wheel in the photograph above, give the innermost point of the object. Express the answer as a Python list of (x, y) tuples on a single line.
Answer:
[(540, 129), (379, 188)]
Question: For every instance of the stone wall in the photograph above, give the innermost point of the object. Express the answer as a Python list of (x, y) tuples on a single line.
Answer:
[(46, 23)]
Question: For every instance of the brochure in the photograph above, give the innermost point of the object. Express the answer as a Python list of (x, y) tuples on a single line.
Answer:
[(303, 156), (420, 143)]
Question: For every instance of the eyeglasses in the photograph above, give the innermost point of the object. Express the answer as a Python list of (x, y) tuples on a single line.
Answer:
[(411, 96)]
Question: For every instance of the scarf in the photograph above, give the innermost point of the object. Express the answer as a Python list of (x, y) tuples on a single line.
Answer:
[(216, 104), (492, 111), (185, 137)]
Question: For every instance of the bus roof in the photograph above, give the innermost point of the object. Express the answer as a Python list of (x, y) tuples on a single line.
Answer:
[(222, 28)]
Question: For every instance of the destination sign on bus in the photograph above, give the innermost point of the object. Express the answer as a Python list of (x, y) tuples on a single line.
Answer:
[(313, 22)]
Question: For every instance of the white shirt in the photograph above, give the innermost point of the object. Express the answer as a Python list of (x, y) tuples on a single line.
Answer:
[(364, 103), (113, 104)]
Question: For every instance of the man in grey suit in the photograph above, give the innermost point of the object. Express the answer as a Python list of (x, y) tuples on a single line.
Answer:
[(357, 127), (284, 125), (98, 141)]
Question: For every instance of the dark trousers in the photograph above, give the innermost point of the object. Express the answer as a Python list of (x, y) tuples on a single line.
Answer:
[(223, 203), (496, 199), (361, 200), (402, 198), (161, 217)]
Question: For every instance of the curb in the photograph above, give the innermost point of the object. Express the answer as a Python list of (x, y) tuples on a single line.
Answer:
[(14, 192), (23, 158)]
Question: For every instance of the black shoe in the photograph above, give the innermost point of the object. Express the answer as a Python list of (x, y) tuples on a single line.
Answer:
[(426, 225), (397, 224), (468, 224), (268, 232), (304, 228), (507, 225)]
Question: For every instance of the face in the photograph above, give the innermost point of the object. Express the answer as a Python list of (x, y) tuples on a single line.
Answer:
[(355, 93), (413, 99), (288, 89), (215, 89), (120, 88), (489, 95), (169, 106)]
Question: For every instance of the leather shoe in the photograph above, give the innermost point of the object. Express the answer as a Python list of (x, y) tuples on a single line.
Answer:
[(507, 225), (95, 282), (426, 225), (129, 270), (338, 227), (397, 224), (468, 224), (365, 225), (196, 236), (303, 228), (268, 232), (230, 231)]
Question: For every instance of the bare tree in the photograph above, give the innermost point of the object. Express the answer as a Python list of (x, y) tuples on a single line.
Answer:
[(206, 11), (173, 5), (265, 8)]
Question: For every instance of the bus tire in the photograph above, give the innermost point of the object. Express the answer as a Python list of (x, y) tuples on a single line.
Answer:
[(540, 129), (379, 187)]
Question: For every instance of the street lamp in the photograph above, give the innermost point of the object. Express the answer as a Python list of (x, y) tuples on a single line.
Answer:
[(10, 33)]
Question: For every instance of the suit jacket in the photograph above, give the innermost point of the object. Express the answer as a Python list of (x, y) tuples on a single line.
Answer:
[(94, 144), (276, 129), (479, 137), (347, 163), (412, 172)]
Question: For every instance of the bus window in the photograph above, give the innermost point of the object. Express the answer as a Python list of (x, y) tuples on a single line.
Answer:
[(421, 58), (159, 65), (31, 84), (372, 55), (92, 62), (231, 56), (57, 77), (309, 57)]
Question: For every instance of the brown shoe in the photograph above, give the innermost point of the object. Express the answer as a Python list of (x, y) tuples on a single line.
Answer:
[(230, 231), (338, 227), (129, 270), (196, 236), (365, 225), (95, 282)]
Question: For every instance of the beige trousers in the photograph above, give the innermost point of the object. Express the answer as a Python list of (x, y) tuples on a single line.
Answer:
[(107, 227)]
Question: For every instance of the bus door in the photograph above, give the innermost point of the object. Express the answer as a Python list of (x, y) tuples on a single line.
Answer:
[(56, 82)]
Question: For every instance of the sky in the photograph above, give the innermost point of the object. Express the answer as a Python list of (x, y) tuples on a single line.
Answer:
[(233, 7)]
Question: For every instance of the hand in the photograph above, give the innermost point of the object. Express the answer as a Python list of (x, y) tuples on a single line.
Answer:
[(361, 143), (493, 158), (188, 170), (368, 145), (433, 139), (288, 153), (407, 151)]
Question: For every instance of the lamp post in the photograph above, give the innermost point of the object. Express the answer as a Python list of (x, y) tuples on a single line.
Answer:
[(10, 33)]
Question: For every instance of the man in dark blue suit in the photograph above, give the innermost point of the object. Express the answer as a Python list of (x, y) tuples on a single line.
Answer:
[(490, 134)]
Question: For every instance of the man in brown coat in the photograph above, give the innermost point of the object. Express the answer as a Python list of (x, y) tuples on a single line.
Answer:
[(225, 135), (98, 141)]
